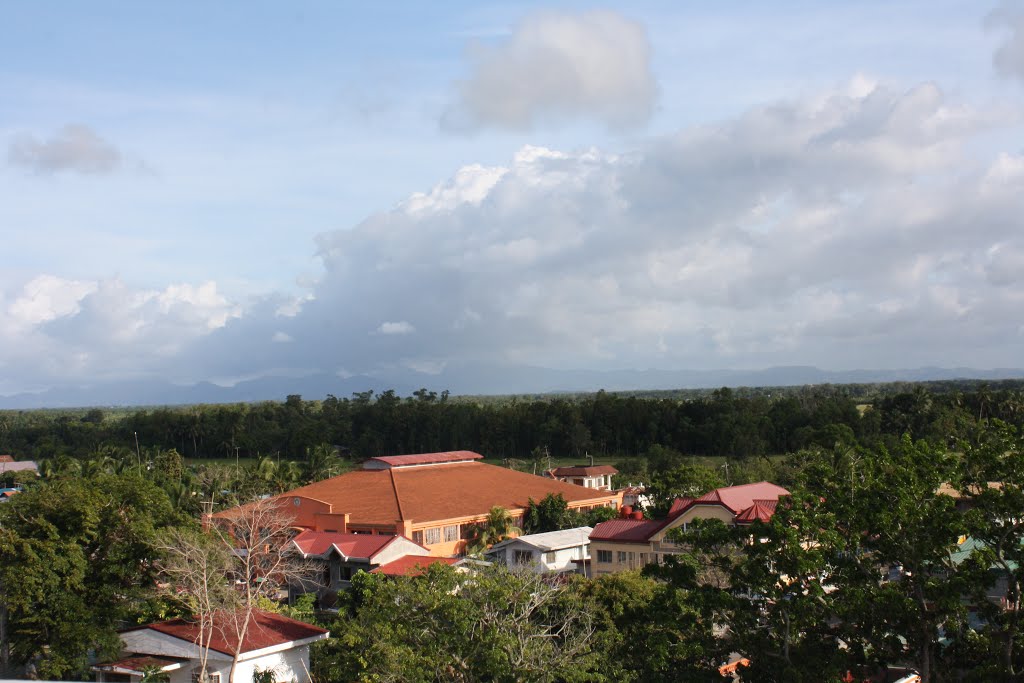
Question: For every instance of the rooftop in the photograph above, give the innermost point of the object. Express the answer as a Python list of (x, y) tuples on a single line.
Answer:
[(17, 466), (627, 530), (419, 459), (583, 471), (265, 630), (444, 491), (412, 565), (319, 543), (552, 540), (739, 498)]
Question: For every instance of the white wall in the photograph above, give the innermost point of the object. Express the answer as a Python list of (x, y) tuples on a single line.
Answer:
[(563, 560)]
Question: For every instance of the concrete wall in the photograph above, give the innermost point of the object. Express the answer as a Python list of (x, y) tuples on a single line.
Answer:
[(624, 556)]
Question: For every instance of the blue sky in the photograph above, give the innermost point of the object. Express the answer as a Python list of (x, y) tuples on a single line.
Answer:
[(193, 170)]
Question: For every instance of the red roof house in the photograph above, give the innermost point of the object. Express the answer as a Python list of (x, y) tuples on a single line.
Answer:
[(272, 641), (410, 565), (627, 543)]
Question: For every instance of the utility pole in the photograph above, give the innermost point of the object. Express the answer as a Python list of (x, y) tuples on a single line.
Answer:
[(726, 468), (138, 451)]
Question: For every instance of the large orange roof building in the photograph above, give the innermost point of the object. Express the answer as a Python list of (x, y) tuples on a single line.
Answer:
[(432, 498)]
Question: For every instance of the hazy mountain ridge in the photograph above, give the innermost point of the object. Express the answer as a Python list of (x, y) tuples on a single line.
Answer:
[(477, 380)]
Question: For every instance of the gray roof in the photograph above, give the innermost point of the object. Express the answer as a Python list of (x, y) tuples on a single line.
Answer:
[(18, 466), (552, 540)]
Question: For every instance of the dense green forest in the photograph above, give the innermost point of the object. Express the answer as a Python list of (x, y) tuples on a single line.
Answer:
[(737, 424), (863, 569)]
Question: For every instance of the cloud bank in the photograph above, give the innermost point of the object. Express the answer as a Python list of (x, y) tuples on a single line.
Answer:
[(557, 67), (858, 228), (74, 148)]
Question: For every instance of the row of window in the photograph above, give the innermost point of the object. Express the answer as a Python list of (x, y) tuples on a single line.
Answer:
[(526, 557), (451, 532), (624, 557)]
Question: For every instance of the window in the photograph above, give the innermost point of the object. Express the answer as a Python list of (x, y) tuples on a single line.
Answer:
[(604, 556), (551, 557), (622, 556), (522, 557), (431, 536), (417, 537), (451, 533), (211, 676)]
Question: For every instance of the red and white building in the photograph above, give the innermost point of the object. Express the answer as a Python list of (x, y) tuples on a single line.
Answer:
[(272, 642), (629, 543)]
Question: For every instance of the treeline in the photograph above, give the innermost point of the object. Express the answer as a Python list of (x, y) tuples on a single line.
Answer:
[(724, 423)]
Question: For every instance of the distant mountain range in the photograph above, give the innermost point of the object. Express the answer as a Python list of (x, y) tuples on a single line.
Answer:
[(474, 379)]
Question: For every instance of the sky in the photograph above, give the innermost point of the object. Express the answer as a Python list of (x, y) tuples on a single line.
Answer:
[(196, 191)]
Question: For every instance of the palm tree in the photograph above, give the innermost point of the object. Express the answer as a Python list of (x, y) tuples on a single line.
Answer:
[(322, 462), (498, 526)]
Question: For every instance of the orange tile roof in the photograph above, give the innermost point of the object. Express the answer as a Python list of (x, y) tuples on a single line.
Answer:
[(437, 492)]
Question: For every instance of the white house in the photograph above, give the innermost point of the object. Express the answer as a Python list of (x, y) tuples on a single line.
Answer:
[(273, 642), (555, 551), (589, 476)]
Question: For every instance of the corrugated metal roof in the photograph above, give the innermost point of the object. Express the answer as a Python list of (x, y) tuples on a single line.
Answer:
[(552, 540)]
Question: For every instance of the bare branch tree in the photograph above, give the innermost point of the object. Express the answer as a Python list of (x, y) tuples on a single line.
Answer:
[(222, 576)]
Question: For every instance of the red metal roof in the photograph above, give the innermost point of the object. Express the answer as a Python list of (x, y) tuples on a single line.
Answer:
[(426, 458), (265, 630), (761, 510), (739, 498), (627, 530), (747, 502), (411, 565), (583, 471), (350, 545)]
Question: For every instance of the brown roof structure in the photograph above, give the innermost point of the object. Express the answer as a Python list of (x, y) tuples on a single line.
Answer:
[(436, 492)]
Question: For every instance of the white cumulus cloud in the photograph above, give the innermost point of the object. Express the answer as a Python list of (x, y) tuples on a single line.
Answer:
[(556, 67)]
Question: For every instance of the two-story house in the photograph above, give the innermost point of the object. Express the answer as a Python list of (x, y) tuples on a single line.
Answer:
[(621, 544)]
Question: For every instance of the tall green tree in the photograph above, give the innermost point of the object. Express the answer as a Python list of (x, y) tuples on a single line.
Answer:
[(78, 562)]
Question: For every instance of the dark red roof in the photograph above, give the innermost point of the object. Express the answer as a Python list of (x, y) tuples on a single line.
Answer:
[(6, 458), (266, 629), (583, 471), (426, 458), (679, 506), (349, 545), (411, 565), (627, 530)]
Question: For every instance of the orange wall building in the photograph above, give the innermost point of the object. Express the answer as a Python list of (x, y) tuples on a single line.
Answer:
[(433, 499)]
